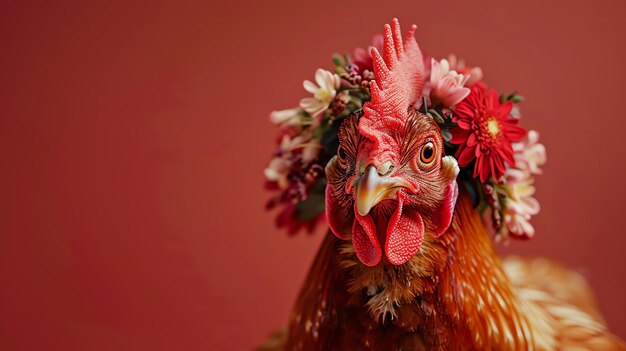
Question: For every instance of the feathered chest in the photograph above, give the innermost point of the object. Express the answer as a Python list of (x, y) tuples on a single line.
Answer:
[(399, 307), (453, 294), (349, 306)]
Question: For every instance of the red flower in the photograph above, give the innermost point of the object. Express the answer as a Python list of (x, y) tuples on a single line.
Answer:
[(485, 132)]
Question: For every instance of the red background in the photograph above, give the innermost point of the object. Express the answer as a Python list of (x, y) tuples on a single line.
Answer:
[(134, 136)]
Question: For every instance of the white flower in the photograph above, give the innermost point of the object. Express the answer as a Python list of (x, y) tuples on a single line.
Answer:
[(323, 93), (288, 144), (529, 154), (520, 204), (277, 171), (287, 118)]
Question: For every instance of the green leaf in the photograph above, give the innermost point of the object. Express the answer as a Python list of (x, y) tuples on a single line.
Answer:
[(347, 58), (338, 60), (313, 205), (503, 98), (340, 70), (447, 136), (437, 117), (470, 186), (330, 140), (514, 97), (517, 98)]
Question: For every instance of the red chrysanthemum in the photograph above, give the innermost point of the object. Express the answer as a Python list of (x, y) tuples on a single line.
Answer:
[(485, 132)]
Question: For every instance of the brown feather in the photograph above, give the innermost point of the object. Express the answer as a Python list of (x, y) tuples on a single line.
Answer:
[(554, 279), (453, 295)]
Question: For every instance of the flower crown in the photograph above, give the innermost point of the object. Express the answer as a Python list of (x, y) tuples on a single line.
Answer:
[(497, 158)]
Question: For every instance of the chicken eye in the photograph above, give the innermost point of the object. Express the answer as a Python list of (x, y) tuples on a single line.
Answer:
[(341, 154), (427, 154)]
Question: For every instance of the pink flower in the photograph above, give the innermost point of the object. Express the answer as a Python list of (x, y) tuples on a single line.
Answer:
[(474, 74), (362, 58), (518, 223), (519, 204), (529, 154), (304, 146), (310, 150), (447, 86)]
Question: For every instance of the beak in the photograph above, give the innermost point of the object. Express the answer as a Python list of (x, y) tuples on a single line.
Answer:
[(372, 189)]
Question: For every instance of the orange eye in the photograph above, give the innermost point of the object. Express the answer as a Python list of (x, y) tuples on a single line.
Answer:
[(341, 154), (427, 154)]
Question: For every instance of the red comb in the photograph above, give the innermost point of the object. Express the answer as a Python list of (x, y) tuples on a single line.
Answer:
[(399, 79)]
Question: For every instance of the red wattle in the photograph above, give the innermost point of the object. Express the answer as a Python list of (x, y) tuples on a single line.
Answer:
[(340, 217), (405, 233), (365, 241), (442, 217)]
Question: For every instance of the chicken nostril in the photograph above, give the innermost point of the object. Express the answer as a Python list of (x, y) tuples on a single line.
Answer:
[(361, 169), (385, 169)]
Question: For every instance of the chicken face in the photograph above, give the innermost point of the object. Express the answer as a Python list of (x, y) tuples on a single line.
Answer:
[(390, 181), (396, 196)]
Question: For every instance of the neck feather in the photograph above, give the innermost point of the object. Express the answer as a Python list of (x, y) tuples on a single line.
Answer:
[(459, 284), (476, 293)]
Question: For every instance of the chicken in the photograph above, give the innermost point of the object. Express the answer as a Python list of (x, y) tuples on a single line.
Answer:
[(408, 263)]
